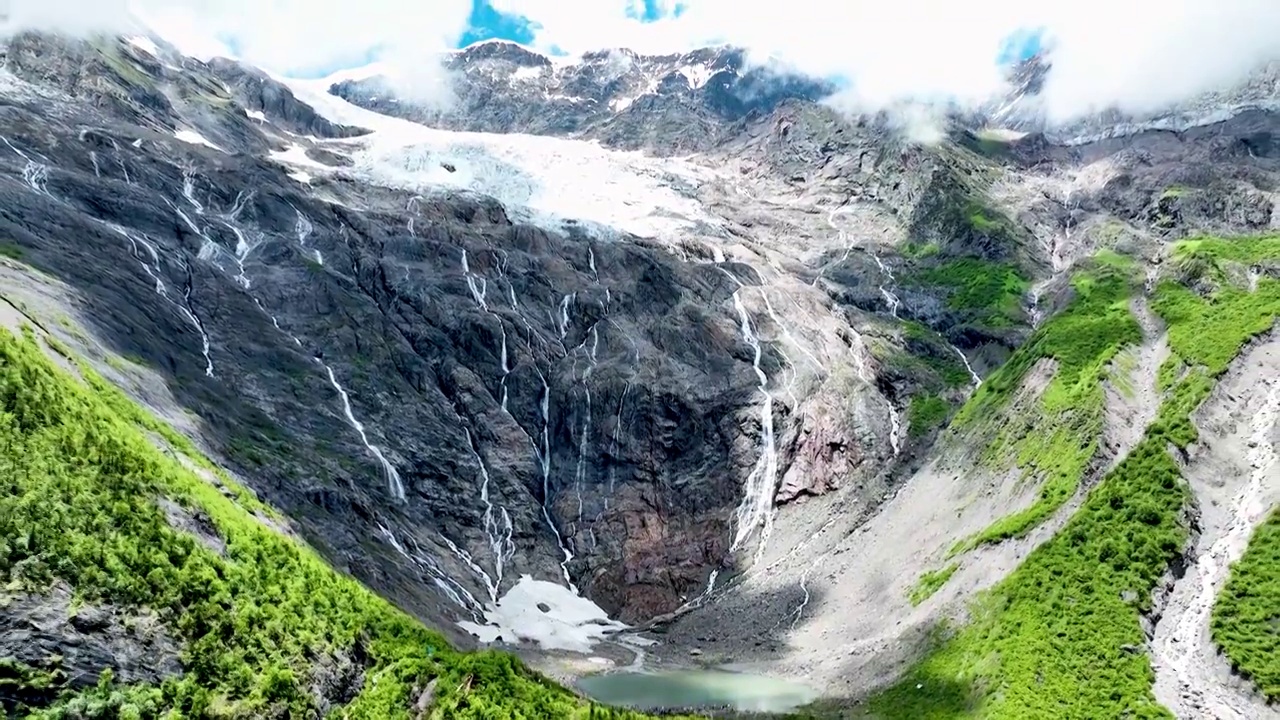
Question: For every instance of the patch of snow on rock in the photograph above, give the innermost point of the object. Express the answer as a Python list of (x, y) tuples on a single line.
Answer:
[(551, 615), (697, 75), (526, 73), (194, 138), (296, 155), (144, 44)]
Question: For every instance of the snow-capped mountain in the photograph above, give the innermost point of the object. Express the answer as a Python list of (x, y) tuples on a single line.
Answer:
[(1023, 110), (615, 358)]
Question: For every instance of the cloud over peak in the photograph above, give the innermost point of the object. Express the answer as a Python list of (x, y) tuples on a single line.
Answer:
[(1138, 55)]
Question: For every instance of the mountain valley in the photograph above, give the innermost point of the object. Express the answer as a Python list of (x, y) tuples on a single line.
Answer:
[(319, 402)]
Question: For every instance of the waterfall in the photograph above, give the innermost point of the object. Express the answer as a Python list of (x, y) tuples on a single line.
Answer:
[(410, 208), (189, 189), (447, 585), (756, 509), (564, 315), (120, 161), (195, 320), (393, 477), (889, 297), (477, 285), (148, 256), (152, 268), (93, 158), (303, 228), (35, 174), (977, 381), (544, 457), (243, 248), (506, 366), (580, 473), (498, 532), (895, 428)]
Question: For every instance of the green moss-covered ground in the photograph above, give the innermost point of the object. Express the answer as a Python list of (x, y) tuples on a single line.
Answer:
[(931, 582), (926, 413), (79, 481), (1054, 442), (1057, 637), (1246, 618), (986, 292)]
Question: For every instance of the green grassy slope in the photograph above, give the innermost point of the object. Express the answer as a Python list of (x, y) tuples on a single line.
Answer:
[(79, 481), (1056, 441), (1246, 618), (1060, 636)]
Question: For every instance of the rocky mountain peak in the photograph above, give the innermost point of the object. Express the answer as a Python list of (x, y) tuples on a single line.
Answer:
[(498, 50), (666, 103)]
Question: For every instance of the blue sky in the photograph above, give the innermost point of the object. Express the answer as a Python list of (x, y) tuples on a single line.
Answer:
[(486, 23)]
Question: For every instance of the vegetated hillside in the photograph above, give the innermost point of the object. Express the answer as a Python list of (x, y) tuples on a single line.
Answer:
[(181, 595), (1062, 635), (1246, 616)]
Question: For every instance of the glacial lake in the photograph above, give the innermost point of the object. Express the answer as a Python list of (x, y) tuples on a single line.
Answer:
[(696, 688)]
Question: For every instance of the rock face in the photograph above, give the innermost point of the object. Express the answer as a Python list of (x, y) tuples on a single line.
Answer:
[(669, 104), (1023, 110), (71, 645), (443, 398)]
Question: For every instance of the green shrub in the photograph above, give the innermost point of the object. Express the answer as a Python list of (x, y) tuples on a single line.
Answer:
[(931, 582), (1055, 441), (1246, 618), (1054, 638)]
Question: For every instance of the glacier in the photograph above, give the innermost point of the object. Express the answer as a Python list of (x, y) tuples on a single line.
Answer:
[(550, 182)]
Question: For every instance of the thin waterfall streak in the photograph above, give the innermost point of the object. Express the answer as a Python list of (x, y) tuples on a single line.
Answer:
[(393, 476)]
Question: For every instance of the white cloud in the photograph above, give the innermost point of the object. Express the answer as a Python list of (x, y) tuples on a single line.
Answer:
[(285, 36), (75, 17), (1139, 54)]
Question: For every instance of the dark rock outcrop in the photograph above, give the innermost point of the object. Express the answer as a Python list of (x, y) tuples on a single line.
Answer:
[(70, 645)]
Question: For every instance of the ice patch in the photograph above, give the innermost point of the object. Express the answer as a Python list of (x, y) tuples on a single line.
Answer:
[(547, 180), (256, 115), (296, 157), (194, 138), (144, 44), (697, 75), (526, 73), (571, 622)]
